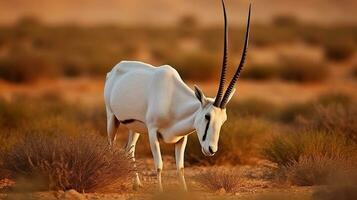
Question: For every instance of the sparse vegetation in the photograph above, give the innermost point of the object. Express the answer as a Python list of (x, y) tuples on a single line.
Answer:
[(339, 50), (260, 72), (302, 70), (219, 179), (310, 157), (354, 72), (64, 162)]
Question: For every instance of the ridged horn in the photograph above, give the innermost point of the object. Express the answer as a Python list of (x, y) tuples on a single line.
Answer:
[(217, 101), (240, 67)]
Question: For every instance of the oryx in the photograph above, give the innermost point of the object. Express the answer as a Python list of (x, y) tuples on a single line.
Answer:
[(156, 101)]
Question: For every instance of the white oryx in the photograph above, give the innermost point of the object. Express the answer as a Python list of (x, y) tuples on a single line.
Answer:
[(156, 101)]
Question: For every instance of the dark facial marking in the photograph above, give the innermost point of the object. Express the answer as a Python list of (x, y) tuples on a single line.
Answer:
[(208, 118)]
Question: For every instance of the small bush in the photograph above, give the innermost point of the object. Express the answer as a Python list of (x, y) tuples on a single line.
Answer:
[(302, 70), (285, 21), (197, 66), (339, 50), (316, 169), (354, 72), (252, 107), (240, 141), (334, 119), (83, 163), (288, 148), (23, 67), (310, 157), (260, 72), (218, 179)]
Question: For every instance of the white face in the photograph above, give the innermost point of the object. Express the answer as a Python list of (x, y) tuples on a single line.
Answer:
[(208, 122)]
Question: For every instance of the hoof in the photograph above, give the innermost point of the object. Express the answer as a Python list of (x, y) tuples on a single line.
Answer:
[(137, 184)]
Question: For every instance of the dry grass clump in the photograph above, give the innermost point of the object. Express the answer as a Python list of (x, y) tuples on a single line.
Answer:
[(339, 50), (335, 119), (354, 72), (48, 109), (306, 110), (196, 65), (217, 179), (302, 70), (317, 169), (240, 141), (84, 163), (260, 72), (311, 157)]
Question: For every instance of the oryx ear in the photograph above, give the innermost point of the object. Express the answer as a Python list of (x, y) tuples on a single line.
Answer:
[(199, 94)]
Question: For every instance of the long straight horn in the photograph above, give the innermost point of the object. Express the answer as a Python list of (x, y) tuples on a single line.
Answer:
[(239, 69), (224, 62)]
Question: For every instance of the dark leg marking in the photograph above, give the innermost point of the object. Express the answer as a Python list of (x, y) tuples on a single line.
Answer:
[(128, 121), (159, 136)]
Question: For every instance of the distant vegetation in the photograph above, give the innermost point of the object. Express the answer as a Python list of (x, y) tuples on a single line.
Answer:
[(30, 50)]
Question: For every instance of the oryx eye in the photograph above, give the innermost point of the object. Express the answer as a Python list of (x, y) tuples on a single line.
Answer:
[(208, 117)]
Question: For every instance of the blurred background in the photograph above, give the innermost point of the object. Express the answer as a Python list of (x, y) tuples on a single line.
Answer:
[(300, 76)]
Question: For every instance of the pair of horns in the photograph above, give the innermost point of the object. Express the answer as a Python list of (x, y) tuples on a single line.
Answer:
[(222, 101)]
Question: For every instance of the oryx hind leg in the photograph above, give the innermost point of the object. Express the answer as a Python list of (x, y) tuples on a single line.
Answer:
[(112, 127), (130, 149)]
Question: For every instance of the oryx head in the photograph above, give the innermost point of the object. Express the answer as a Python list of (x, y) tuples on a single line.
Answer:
[(212, 113)]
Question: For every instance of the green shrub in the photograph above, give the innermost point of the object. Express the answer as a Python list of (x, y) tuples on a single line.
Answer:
[(83, 163)]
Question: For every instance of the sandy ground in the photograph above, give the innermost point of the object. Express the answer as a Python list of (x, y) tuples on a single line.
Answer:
[(255, 182)]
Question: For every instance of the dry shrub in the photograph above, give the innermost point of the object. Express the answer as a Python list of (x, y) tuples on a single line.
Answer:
[(84, 163), (339, 50), (310, 157), (287, 148), (23, 67), (218, 179), (196, 65), (260, 72), (316, 169), (297, 111), (354, 72), (240, 141), (335, 118), (302, 70), (49, 109), (252, 107)]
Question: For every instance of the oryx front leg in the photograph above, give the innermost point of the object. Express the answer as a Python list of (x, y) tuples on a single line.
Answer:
[(156, 153), (179, 156), (130, 149)]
